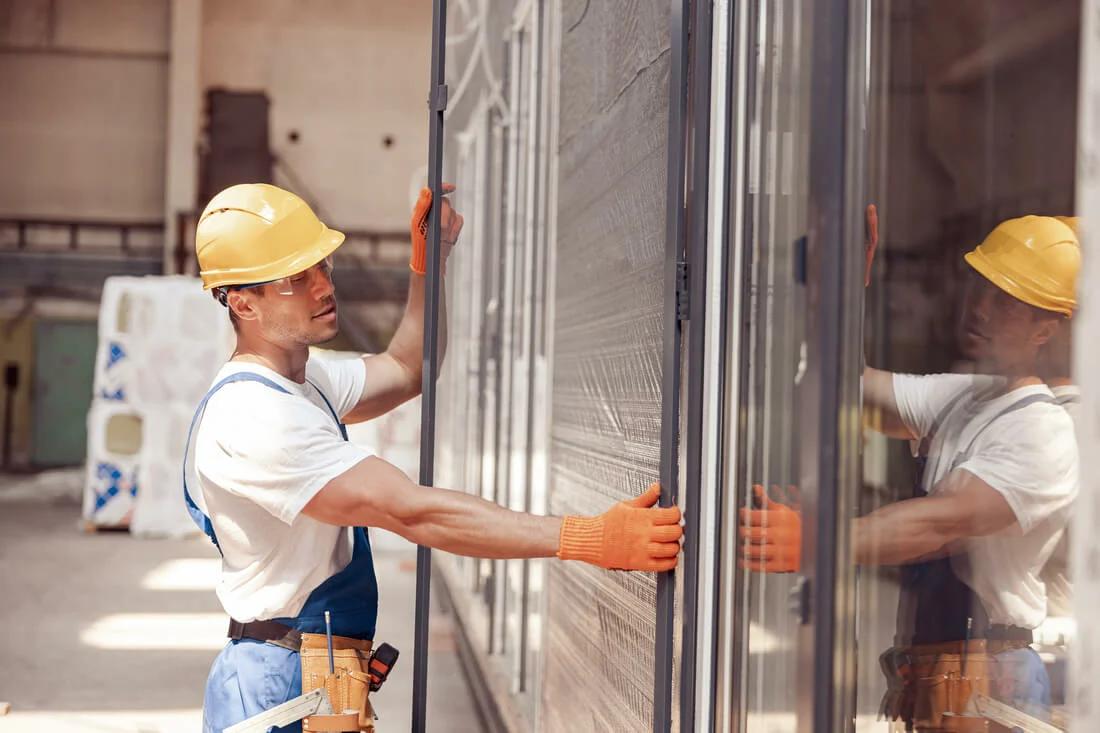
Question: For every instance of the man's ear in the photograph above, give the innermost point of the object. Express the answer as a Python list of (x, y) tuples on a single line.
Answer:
[(1046, 330), (241, 304)]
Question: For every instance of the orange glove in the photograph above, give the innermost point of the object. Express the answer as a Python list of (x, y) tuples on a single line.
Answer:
[(450, 226), (772, 536), (629, 536), (870, 243)]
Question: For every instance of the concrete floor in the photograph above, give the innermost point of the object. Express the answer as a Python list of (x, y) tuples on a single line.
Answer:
[(105, 632)]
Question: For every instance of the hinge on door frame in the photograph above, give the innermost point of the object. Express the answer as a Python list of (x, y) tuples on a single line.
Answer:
[(683, 310)]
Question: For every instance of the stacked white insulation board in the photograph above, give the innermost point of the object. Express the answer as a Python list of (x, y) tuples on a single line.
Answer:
[(161, 341)]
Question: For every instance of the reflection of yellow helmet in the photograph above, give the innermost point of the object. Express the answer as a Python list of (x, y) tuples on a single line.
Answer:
[(253, 232), (1071, 222), (1034, 259)]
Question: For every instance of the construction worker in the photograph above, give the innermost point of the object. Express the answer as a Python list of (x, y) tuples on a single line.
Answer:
[(286, 498), (999, 475)]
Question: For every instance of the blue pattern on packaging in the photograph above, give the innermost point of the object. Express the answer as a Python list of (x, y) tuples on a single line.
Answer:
[(116, 482)]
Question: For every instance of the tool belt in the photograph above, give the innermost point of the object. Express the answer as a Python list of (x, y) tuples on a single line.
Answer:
[(926, 681), (347, 688)]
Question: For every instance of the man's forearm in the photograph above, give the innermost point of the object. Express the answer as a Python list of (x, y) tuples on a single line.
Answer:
[(908, 531), (407, 345), (469, 525)]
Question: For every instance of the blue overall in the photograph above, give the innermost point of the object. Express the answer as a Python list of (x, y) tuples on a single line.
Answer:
[(250, 676)]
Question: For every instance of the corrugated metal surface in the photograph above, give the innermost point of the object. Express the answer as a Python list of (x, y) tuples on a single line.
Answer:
[(607, 345)]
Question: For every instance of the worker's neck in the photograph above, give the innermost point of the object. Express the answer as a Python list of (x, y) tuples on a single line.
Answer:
[(287, 361), (1017, 374)]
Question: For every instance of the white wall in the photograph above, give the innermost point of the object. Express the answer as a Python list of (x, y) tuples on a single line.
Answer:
[(343, 73), (83, 87)]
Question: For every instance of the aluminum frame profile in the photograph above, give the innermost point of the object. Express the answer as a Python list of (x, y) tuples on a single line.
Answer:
[(822, 448), (687, 196), (672, 333), (437, 104), (698, 180)]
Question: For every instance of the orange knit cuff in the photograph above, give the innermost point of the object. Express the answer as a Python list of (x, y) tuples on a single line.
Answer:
[(419, 261), (581, 539)]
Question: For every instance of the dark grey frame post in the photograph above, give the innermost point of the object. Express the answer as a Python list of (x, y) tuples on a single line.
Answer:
[(698, 185), (823, 443), (437, 103), (674, 313)]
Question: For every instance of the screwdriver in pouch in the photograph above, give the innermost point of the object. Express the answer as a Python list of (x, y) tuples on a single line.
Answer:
[(328, 635)]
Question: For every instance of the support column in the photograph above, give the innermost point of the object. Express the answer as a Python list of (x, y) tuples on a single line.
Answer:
[(181, 140)]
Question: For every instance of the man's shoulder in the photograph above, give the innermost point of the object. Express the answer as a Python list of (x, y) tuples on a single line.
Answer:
[(1039, 413), (244, 404)]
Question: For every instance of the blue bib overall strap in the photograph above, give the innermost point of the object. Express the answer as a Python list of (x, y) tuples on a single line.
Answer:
[(197, 514), (1068, 399)]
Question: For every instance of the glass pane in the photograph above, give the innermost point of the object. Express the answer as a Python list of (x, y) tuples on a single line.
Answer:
[(970, 457), (492, 412), (770, 351)]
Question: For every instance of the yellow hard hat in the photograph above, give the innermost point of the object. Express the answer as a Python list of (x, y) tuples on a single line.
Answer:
[(1034, 259), (254, 232)]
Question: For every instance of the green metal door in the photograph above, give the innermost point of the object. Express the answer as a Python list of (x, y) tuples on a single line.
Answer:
[(64, 365)]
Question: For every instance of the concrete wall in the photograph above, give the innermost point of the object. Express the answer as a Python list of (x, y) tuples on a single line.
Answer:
[(84, 100), (344, 75), (82, 107)]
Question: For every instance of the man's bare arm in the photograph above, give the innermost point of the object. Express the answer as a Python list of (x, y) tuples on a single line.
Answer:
[(880, 405), (395, 376), (375, 493), (961, 506)]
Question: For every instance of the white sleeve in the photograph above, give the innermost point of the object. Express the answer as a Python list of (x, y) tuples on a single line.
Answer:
[(274, 450), (922, 398), (1031, 460), (343, 379)]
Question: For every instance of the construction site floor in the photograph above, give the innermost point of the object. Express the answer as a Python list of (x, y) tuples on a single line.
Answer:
[(102, 631)]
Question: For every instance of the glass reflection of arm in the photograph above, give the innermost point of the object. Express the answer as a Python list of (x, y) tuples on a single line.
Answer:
[(959, 507), (880, 406)]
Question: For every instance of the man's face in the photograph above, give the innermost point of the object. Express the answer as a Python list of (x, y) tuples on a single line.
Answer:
[(300, 311), (996, 330)]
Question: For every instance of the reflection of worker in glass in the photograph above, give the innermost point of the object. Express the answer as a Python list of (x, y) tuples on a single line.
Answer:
[(1055, 369), (999, 473)]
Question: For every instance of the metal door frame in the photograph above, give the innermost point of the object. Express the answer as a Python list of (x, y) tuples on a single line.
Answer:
[(437, 104)]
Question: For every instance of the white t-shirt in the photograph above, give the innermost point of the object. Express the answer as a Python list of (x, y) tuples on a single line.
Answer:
[(1029, 455), (1056, 572), (260, 456)]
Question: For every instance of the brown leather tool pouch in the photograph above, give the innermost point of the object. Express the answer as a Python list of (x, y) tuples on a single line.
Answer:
[(347, 688), (936, 685)]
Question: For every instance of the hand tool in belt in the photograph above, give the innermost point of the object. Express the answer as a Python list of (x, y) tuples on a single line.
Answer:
[(314, 708)]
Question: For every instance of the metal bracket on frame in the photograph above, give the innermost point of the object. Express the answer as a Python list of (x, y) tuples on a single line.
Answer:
[(683, 302), (437, 101)]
